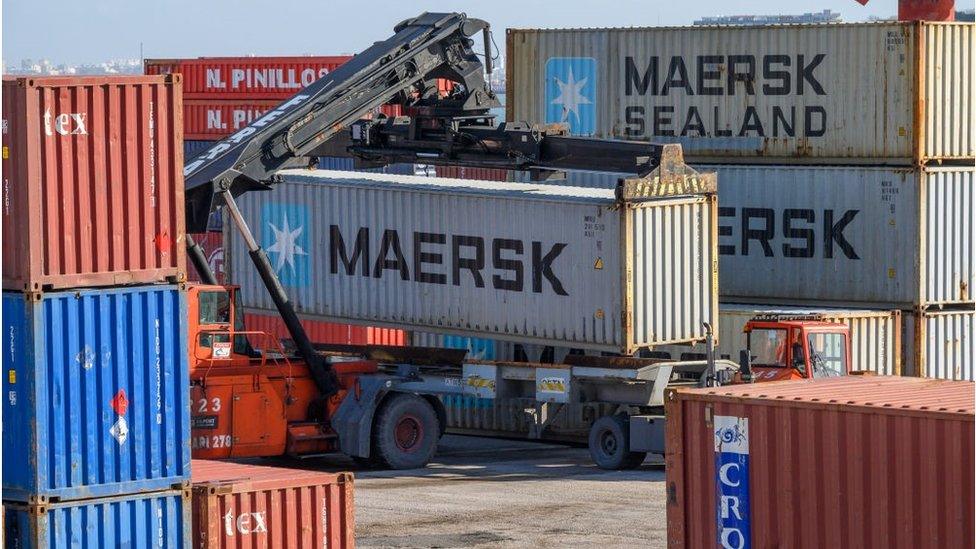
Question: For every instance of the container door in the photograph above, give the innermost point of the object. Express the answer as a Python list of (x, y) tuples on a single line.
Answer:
[(259, 424)]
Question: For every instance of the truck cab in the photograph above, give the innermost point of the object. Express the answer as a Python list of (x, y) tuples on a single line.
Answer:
[(216, 327), (797, 347)]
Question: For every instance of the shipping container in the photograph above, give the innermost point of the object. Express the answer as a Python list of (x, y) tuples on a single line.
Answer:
[(319, 331), (532, 263), (98, 166), (789, 94), (466, 172), (839, 462), (133, 521), (875, 334), (212, 243), (96, 393), (892, 237), (940, 343), (478, 348), (239, 505), (239, 78), (216, 119)]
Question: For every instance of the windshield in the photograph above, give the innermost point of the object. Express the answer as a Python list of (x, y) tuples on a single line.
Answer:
[(768, 347), (214, 308), (828, 354)]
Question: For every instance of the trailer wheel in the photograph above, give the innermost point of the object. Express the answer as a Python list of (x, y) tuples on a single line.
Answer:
[(405, 433), (610, 444)]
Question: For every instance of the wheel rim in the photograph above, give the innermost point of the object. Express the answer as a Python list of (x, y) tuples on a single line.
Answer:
[(408, 433), (608, 443)]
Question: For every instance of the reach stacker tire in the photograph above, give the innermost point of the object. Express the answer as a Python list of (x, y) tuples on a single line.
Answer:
[(609, 444), (406, 432)]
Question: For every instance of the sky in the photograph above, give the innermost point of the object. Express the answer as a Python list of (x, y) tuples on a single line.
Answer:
[(86, 31)]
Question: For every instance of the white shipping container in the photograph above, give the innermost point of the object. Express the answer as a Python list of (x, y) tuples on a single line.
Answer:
[(875, 334), (888, 237), (939, 344), (891, 237), (532, 263), (893, 93)]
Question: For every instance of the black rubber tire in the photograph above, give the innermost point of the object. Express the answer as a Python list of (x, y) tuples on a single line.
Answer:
[(609, 444), (405, 432)]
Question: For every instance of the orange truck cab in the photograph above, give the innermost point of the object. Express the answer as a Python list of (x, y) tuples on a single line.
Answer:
[(797, 347)]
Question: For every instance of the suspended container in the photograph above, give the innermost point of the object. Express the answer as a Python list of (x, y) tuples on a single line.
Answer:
[(94, 181), (532, 263), (96, 393), (318, 331), (857, 461), (238, 505), (781, 94), (135, 521)]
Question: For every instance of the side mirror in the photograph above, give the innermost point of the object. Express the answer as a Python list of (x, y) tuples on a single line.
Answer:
[(745, 366)]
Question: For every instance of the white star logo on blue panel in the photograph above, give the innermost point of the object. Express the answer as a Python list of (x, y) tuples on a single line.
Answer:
[(285, 238), (571, 93)]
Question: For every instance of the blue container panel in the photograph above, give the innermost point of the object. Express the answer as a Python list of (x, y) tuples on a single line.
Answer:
[(193, 148), (478, 348), (157, 520), (96, 397)]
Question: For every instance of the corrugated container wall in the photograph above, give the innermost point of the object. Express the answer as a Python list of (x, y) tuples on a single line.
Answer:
[(478, 348), (215, 119), (246, 77), (841, 462), (270, 322), (212, 243), (773, 94), (940, 344), (875, 335), (94, 172), (139, 521), (898, 237), (238, 505), (532, 263), (96, 399)]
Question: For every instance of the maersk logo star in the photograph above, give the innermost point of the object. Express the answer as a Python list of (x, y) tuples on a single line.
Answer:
[(571, 93), (285, 236), (285, 244)]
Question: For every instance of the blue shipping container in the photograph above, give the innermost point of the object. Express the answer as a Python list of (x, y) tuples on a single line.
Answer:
[(158, 520), (96, 393), (478, 348), (193, 148)]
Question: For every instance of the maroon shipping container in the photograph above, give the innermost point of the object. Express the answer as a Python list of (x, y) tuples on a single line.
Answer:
[(93, 181), (463, 172), (246, 78), (212, 243), (839, 462), (205, 119), (237, 505)]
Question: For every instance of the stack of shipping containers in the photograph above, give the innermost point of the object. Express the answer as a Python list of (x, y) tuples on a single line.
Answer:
[(96, 448), (845, 180), (225, 94)]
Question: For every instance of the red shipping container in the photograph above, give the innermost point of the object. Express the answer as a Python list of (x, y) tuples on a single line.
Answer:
[(462, 172), (215, 119), (212, 243), (926, 10), (327, 332), (238, 505), (839, 462), (93, 181), (246, 78)]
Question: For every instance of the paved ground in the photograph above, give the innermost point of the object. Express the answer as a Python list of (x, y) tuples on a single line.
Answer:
[(498, 493)]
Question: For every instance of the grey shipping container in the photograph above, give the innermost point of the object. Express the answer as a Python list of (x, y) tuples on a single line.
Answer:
[(875, 334), (535, 263), (883, 237), (939, 344), (891, 93)]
